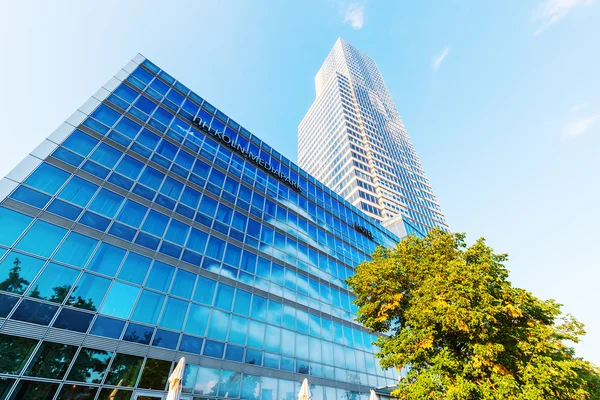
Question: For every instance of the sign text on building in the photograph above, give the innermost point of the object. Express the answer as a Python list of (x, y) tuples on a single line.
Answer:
[(198, 122)]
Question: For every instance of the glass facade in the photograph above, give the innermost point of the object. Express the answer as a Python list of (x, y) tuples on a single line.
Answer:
[(152, 226)]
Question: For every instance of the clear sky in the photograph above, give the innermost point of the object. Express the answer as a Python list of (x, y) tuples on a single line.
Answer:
[(501, 100)]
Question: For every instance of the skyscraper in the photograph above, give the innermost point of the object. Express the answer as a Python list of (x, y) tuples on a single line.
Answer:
[(353, 140), (151, 226)]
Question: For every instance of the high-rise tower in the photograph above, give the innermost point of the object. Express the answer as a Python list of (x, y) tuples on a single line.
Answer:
[(353, 140)]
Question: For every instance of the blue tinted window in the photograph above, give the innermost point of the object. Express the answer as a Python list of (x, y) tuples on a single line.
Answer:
[(219, 322), (159, 87), (224, 297), (76, 249), (138, 334), (177, 232), (197, 320), (242, 302), (151, 178), (224, 214), (160, 276), (126, 93), (259, 308), (142, 75), (94, 221), (165, 339), (171, 188), (214, 349), (191, 344), (80, 143), (163, 116), (216, 248), (238, 330), (107, 327), (17, 271), (89, 292), (135, 268), (232, 255), (174, 314), (155, 223), (30, 196), (107, 259), (54, 283), (34, 312), (148, 307), (190, 197), (201, 168), (120, 299), (145, 105), (106, 203), (130, 167), (148, 139), (197, 240), (64, 209), (78, 191), (239, 221), (106, 115), (132, 213), (73, 320), (183, 285), (127, 127), (41, 239), (205, 289), (106, 155), (47, 178), (217, 177)]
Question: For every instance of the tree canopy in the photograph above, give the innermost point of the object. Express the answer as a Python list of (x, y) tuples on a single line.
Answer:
[(451, 320)]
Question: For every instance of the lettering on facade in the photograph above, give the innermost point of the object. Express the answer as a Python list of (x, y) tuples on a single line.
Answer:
[(202, 125), (363, 230)]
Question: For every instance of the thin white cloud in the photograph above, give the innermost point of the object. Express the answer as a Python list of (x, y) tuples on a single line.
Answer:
[(437, 61), (353, 12), (552, 11), (577, 108), (579, 126)]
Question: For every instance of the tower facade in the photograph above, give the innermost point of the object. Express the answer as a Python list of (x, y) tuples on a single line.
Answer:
[(353, 140), (151, 226)]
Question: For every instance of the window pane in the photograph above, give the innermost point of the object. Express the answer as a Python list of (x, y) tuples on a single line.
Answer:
[(107, 259), (89, 292), (165, 339), (197, 320), (73, 320), (34, 312), (124, 370), (115, 394), (90, 366), (160, 276), (155, 375), (47, 178), (69, 392), (54, 283), (51, 360), (135, 268), (206, 382), (132, 213), (13, 224), (205, 289), (174, 314), (148, 307), (76, 249), (230, 384), (120, 300), (78, 191), (34, 390), (108, 327), (80, 143), (41, 239), (15, 351), (183, 285), (17, 271), (218, 325), (106, 203), (138, 333), (224, 297)]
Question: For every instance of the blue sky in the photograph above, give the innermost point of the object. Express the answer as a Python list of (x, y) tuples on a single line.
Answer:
[(501, 100)]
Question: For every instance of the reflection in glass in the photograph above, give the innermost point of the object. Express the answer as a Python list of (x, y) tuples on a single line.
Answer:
[(88, 292), (51, 360), (34, 390), (124, 370), (207, 381), (120, 300), (115, 394), (15, 352), (69, 392), (54, 283), (90, 366), (17, 271), (230, 384), (189, 377), (34, 312), (250, 387), (155, 375), (138, 333), (107, 327)]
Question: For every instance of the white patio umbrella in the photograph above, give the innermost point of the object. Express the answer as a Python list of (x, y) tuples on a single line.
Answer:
[(304, 393), (373, 396), (175, 380)]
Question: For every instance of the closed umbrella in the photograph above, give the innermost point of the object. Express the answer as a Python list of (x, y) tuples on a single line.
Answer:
[(175, 380), (373, 396), (304, 393)]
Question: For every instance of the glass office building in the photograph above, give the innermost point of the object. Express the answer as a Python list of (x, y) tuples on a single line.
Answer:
[(353, 140), (151, 226)]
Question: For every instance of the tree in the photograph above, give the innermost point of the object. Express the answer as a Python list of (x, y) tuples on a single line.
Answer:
[(450, 318), (14, 282)]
